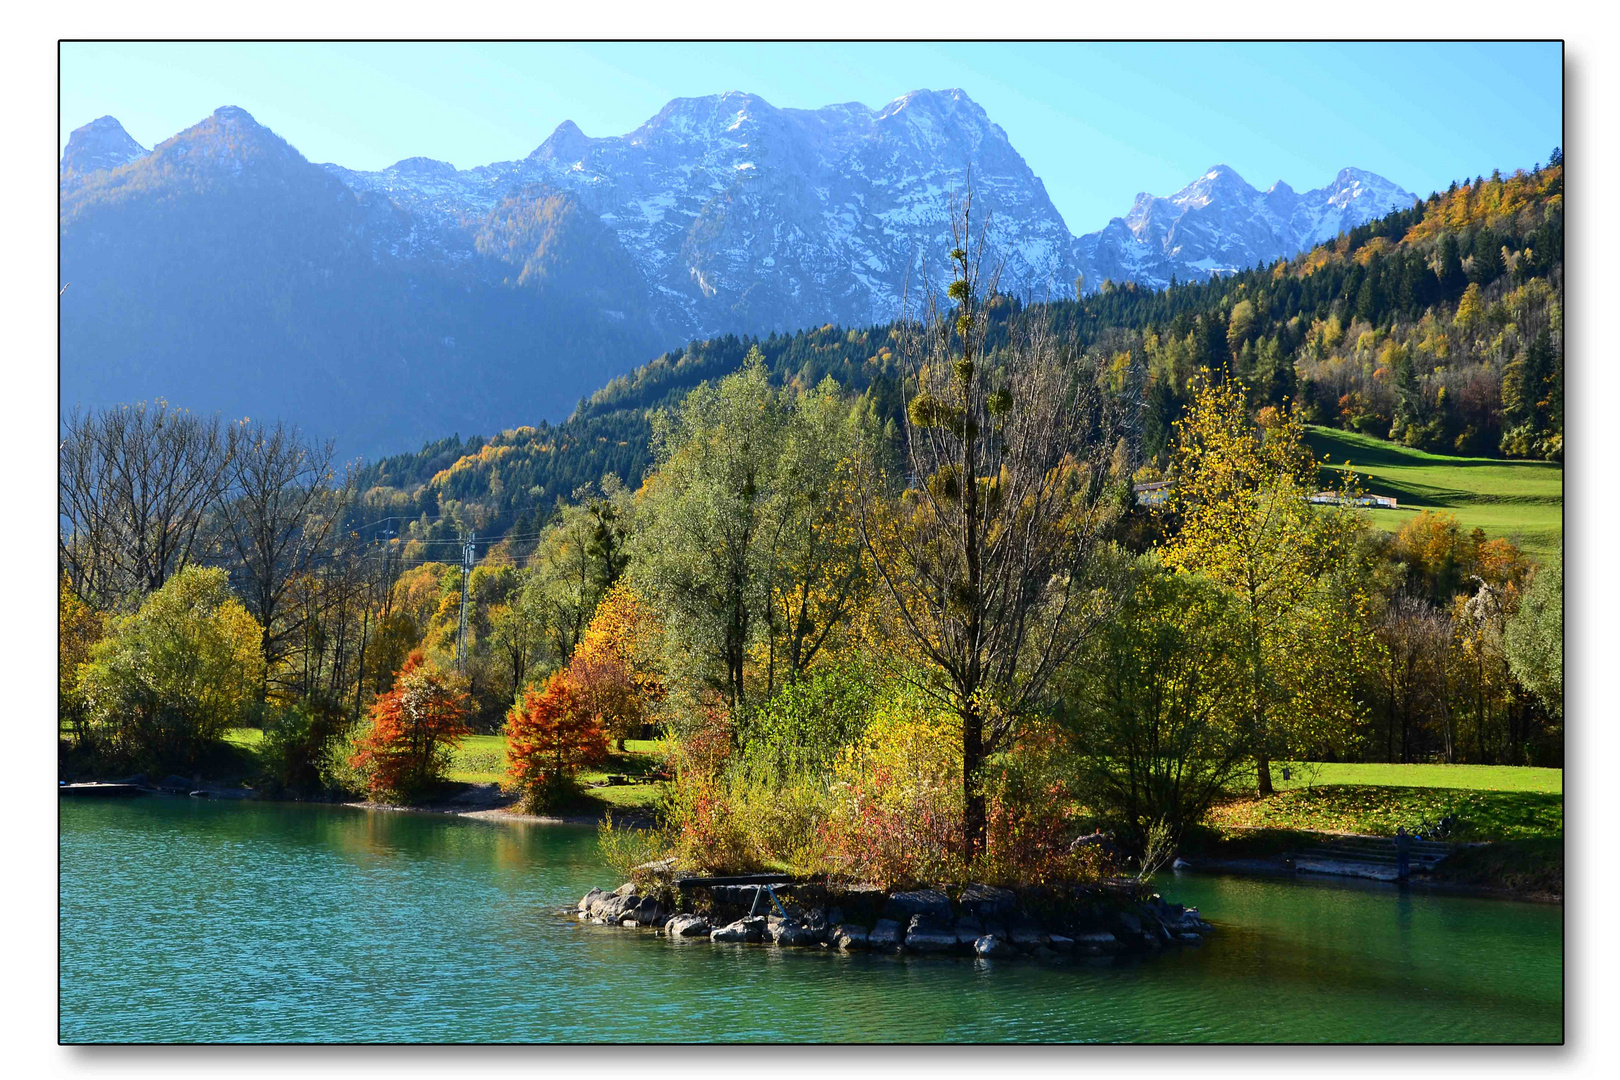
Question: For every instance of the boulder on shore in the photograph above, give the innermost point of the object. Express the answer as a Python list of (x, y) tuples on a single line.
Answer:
[(791, 933), (849, 938), (685, 926), (885, 936), (902, 906), (749, 929), (926, 934), (987, 901)]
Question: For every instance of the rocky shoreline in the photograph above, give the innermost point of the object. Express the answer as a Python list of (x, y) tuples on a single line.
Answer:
[(978, 920)]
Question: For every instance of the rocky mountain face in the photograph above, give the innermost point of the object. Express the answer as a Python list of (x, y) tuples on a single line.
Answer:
[(224, 269), (99, 146), (1219, 224), (742, 217)]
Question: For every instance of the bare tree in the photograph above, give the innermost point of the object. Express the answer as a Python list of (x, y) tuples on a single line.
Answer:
[(281, 512), (985, 552), (136, 485)]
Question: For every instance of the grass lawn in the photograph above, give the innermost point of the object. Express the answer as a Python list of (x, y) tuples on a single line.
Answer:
[(1491, 802), (1470, 777), (1380, 810), (1520, 500), (481, 759)]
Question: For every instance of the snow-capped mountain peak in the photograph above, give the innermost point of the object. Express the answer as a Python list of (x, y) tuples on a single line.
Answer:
[(742, 216), (1220, 224), (100, 145)]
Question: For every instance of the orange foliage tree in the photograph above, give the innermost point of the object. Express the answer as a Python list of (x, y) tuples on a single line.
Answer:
[(614, 671), (550, 736), (414, 729)]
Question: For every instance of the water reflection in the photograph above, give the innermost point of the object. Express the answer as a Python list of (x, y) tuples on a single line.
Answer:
[(185, 920)]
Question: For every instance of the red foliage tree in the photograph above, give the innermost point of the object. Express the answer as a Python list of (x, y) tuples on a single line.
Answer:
[(414, 729), (550, 735)]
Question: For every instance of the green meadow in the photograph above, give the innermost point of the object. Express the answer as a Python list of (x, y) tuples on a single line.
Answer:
[(1522, 501)]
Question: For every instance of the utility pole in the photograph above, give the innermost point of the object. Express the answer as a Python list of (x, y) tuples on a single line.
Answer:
[(466, 570)]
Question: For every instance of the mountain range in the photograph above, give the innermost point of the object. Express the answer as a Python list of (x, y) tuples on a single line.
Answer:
[(225, 271)]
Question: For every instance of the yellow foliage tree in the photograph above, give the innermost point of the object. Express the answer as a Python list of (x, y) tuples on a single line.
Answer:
[(1242, 494), (614, 670)]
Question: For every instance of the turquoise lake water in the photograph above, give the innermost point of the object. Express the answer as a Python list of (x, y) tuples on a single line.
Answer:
[(184, 920)]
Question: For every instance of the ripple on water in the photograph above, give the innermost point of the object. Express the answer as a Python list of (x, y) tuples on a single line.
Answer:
[(188, 920)]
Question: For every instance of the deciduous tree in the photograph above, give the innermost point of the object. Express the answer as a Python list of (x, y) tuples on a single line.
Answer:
[(1241, 494), (550, 736), (414, 729), (984, 554)]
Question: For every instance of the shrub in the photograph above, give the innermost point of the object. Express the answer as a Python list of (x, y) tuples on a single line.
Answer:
[(1156, 709), (897, 816), (415, 728), (297, 742)]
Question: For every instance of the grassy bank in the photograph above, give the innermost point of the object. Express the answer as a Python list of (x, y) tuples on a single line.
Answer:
[(1512, 818), (481, 759), (1522, 501)]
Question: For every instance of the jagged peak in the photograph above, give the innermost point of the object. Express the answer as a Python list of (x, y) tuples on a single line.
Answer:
[(565, 141), (101, 144)]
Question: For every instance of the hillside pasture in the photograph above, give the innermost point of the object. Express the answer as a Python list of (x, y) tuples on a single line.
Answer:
[(1522, 501)]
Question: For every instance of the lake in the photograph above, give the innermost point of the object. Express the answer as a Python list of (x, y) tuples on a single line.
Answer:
[(185, 920)]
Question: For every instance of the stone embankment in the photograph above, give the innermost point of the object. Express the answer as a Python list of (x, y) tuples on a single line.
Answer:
[(979, 920)]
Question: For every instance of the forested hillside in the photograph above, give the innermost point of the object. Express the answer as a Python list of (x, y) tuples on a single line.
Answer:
[(1439, 327)]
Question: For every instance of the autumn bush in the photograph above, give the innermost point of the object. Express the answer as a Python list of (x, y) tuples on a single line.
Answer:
[(414, 729), (550, 736)]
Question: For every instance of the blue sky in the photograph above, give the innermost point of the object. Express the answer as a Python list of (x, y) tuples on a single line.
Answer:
[(1097, 122)]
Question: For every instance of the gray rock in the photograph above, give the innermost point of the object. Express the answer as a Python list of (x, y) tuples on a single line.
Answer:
[(1098, 938), (990, 945), (968, 930), (1060, 943), (926, 934), (1129, 921), (987, 901), (645, 910), (995, 929), (629, 924), (685, 926), (885, 936), (791, 933), (590, 898), (849, 937), (902, 906), (1026, 935), (1190, 939), (627, 889), (1041, 952), (749, 929)]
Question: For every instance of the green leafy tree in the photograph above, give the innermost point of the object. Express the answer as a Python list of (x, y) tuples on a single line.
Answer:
[(176, 675), (1534, 638), (1155, 707), (746, 533), (1241, 494)]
